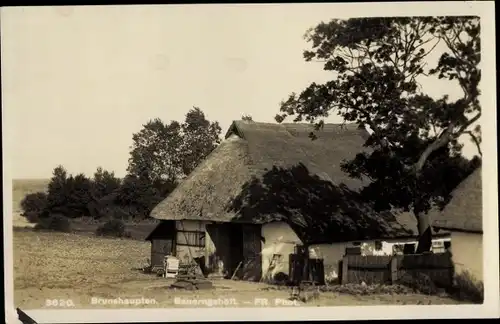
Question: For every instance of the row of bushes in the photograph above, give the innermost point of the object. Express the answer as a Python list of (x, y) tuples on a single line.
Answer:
[(103, 196)]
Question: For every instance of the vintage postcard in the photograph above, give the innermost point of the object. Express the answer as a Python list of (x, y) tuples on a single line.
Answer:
[(250, 162)]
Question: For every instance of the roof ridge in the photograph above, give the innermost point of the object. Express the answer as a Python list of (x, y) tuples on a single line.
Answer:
[(236, 126)]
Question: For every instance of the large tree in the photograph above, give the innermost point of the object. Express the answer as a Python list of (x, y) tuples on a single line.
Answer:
[(200, 138), (170, 151), (155, 151), (377, 65)]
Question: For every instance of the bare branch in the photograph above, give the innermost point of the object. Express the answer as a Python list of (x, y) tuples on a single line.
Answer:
[(425, 42), (432, 48), (441, 141), (414, 37), (444, 138), (466, 125), (476, 141)]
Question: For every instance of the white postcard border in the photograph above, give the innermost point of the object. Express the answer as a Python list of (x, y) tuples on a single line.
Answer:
[(490, 308)]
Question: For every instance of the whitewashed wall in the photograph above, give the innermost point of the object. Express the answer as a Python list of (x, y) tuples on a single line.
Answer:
[(467, 253), (280, 239)]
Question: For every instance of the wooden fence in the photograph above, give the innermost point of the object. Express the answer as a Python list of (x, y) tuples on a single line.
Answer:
[(315, 271), (389, 269)]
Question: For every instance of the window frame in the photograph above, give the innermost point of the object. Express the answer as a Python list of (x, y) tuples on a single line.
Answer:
[(199, 239)]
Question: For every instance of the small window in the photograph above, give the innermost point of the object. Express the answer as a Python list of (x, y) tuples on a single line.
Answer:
[(378, 246), (356, 243), (409, 248), (437, 244)]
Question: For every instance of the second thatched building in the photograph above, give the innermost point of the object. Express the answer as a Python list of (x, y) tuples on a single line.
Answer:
[(463, 218)]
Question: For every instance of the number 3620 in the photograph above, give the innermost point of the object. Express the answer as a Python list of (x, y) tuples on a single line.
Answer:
[(59, 303)]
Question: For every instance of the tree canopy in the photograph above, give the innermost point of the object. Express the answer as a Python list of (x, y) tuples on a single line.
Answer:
[(378, 65), (170, 151)]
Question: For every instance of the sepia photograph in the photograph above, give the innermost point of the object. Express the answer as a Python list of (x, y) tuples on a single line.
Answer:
[(249, 161)]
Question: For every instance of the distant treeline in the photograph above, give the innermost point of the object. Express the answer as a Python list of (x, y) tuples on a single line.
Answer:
[(103, 195)]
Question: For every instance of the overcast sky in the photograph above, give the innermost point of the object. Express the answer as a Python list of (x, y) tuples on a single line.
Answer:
[(77, 82)]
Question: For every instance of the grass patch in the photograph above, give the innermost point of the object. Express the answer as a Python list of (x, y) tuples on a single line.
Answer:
[(52, 259), (468, 288), (420, 282)]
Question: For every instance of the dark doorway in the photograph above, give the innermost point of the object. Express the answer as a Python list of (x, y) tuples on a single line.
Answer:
[(252, 246), (235, 233), (220, 237), (162, 242), (159, 249)]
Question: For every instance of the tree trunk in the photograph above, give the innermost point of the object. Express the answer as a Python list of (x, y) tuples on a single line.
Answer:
[(424, 232), (423, 218)]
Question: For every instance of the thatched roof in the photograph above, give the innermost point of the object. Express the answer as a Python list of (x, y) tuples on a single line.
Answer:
[(464, 212), (265, 172), (164, 230)]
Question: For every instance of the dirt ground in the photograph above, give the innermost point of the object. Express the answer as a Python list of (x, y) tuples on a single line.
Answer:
[(56, 270)]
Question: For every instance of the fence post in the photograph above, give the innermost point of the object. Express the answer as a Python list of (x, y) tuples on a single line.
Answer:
[(394, 269), (451, 272), (345, 268)]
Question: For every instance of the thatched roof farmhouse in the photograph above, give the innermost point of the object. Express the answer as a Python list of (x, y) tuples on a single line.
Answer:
[(264, 172)]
